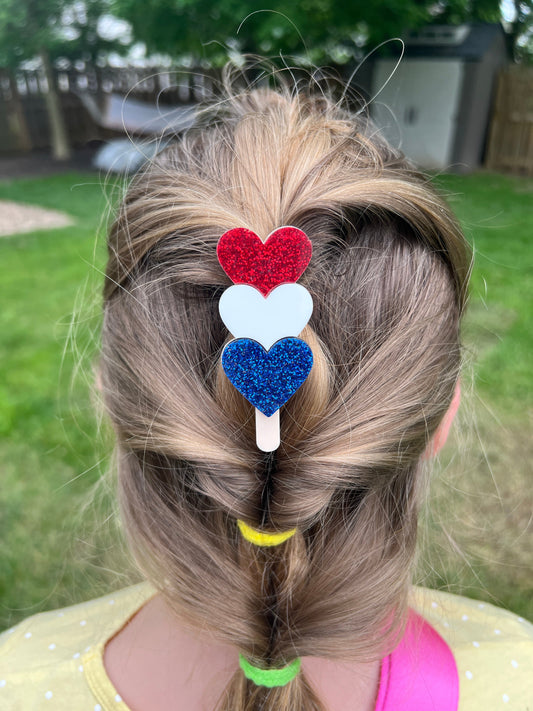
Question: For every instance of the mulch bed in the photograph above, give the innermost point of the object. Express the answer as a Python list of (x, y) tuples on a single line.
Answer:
[(40, 163)]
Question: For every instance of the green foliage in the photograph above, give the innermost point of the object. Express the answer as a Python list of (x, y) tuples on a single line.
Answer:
[(25, 27), (457, 11), (63, 27), (314, 29), (520, 32), (84, 42)]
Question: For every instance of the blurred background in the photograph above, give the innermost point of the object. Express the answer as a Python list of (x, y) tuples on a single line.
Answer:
[(90, 90)]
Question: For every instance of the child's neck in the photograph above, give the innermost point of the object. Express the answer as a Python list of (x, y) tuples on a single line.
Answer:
[(157, 665)]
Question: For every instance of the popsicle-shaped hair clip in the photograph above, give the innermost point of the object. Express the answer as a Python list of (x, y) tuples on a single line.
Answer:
[(265, 311)]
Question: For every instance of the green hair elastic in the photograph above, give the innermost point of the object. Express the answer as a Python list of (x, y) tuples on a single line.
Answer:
[(270, 677)]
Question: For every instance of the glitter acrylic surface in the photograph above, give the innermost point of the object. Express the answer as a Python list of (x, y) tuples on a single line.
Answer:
[(281, 259), (267, 379), (265, 311)]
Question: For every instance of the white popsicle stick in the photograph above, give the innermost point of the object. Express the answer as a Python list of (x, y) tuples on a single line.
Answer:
[(267, 431)]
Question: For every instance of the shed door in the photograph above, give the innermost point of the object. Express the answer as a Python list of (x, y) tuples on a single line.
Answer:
[(418, 108)]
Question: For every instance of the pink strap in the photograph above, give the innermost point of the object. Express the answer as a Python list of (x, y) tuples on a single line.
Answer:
[(420, 673)]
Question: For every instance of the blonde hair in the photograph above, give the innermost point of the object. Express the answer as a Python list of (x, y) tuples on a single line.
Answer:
[(388, 278)]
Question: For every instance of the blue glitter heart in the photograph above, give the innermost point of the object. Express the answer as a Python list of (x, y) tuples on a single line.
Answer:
[(267, 379)]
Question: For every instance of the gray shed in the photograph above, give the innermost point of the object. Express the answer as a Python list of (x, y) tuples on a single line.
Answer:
[(436, 106)]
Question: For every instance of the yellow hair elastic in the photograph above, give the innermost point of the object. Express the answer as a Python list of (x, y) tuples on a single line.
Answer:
[(258, 538)]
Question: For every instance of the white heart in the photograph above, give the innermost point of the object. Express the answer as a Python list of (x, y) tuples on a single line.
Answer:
[(248, 314)]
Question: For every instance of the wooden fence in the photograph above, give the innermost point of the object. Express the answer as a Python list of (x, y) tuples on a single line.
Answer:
[(23, 116), (24, 119), (510, 147), (24, 122)]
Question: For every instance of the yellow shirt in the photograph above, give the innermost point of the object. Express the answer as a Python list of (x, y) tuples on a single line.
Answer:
[(53, 661)]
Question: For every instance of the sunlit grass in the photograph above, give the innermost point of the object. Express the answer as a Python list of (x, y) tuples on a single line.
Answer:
[(479, 525), (53, 449)]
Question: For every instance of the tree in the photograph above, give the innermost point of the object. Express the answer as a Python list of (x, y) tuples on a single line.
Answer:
[(318, 29), (25, 32), (50, 30), (520, 31), (80, 36)]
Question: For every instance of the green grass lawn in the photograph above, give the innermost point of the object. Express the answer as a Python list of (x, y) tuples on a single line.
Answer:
[(478, 528), (56, 549)]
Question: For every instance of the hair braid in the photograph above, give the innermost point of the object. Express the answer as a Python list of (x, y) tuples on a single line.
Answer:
[(388, 280)]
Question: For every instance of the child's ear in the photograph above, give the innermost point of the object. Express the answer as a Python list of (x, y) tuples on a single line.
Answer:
[(441, 435)]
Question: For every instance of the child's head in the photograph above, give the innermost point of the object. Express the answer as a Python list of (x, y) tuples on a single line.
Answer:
[(388, 280)]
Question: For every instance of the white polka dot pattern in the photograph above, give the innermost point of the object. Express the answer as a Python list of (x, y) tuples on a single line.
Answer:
[(41, 664), (493, 651), (490, 647)]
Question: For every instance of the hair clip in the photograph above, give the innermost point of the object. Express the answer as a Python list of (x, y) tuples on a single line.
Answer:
[(265, 311)]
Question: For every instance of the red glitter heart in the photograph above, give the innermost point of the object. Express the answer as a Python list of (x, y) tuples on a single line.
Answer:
[(281, 259)]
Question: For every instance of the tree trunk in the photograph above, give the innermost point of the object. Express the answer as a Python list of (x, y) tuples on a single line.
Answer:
[(17, 118), (60, 142)]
